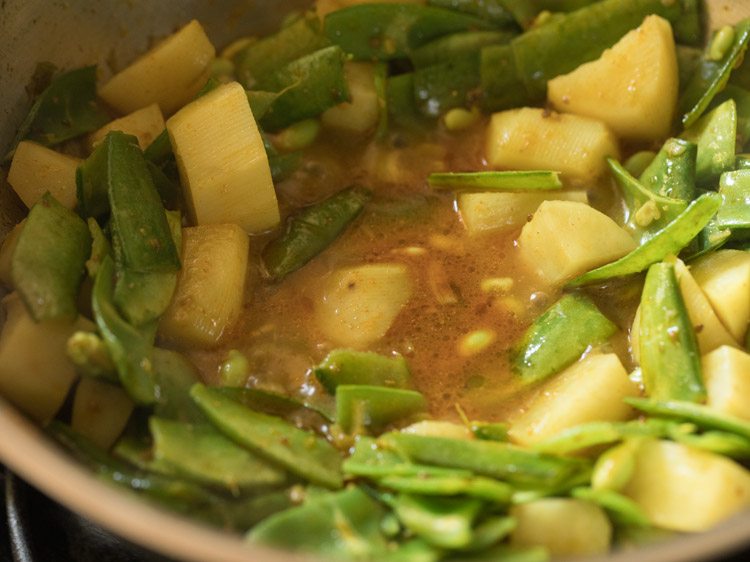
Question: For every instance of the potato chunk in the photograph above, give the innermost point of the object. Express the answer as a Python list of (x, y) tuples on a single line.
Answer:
[(100, 411), (537, 139), (360, 115), (486, 211), (565, 239), (35, 373), (359, 304), (586, 529), (170, 74), (726, 372), (685, 489), (632, 87), (210, 287), (36, 169), (596, 385), (724, 277), (145, 124), (222, 161)]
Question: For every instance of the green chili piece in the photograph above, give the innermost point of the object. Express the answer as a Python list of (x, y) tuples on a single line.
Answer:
[(344, 524), (301, 452), (668, 241), (669, 355), (202, 453), (392, 31), (66, 109), (306, 86), (49, 260), (261, 58), (559, 337), (311, 231), (490, 181), (347, 366), (711, 76), (506, 462), (131, 351)]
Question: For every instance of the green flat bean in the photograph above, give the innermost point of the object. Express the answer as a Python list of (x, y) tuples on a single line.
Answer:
[(361, 408), (455, 45), (474, 486), (619, 507), (668, 241), (716, 136), (301, 452), (347, 366), (455, 82), (500, 181), (441, 522), (48, 263), (311, 231), (496, 11)]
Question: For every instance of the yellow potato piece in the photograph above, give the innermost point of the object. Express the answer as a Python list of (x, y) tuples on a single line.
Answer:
[(565, 239), (210, 287), (36, 169), (685, 489), (632, 87), (100, 411), (536, 139), (724, 277), (359, 304), (146, 124), (596, 385), (726, 372), (170, 74), (223, 164)]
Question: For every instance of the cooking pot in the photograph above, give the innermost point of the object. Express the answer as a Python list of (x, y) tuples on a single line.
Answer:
[(72, 33)]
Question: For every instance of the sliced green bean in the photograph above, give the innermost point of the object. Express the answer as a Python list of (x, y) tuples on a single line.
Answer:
[(716, 136), (587, 435), (131, 351), (160, 149), (66, 109), (452, 83), (669, 354), (306, 86), (202, 453), (668, 241), (488, 458), (361, 408), (347, 366), (175, 375), (457, 44), (312, 230), (500, 181), (711, 76), (703, 416), (734, 213), (475, 486), (619, 507), (391, 31), (48, 263), (301, 452), (496, 11), (559, 337)]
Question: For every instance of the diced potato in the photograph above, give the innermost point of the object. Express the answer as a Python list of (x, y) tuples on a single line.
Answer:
[(146, 124), (210, 287), (6, 254), (724, 277), (359, 116), (100, 411), (35, 373), (685, 489), (537, 139), (596, 385), (632, 87), (222, 161), (487, 211), (359, 304), (36, 169), (586, 529), (565, 239), (709, 330), (726, 373), (170, 74)]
